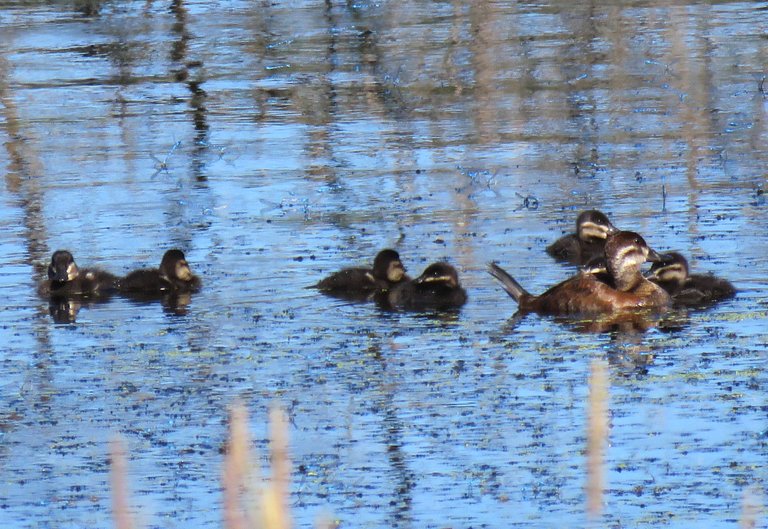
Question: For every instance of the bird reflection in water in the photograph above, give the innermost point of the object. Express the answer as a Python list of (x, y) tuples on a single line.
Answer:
[(173, 303), (621, 323), (65, 309)]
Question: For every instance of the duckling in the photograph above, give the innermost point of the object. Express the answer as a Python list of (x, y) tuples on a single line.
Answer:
[(599, 268), (436, 288), (586, 294), (173, 276), (65, 279), (361, 283), (592, 228), (688, 290)]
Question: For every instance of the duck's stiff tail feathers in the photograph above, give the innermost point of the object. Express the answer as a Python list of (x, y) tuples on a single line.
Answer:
[(508, 282)]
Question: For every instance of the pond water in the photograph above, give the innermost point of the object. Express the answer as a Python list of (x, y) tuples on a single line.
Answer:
[(277, 142)]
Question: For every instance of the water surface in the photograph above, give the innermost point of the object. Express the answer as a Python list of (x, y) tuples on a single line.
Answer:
[(277, 143)]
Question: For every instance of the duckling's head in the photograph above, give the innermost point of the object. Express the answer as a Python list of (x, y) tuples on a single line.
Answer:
[(671, 268), (387, 265), (439, 274), (174, 266), (596, 265), (625, 252), (592, 225), (62, 267)]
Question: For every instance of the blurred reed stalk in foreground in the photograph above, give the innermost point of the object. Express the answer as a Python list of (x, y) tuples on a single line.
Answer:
[(119, 483), (597, 435), (251, 502), (751, 508)]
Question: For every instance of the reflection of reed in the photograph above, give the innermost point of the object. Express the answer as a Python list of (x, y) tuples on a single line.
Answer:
[(320, 109), (485, 122)]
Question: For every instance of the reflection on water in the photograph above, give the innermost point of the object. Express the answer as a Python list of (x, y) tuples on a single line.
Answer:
[(276, 143), (172, 302), (66, 309)]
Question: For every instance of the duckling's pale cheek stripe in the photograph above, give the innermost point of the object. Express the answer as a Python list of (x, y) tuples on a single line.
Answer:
[(395, 272), (594, 230), (444, 279), (674, 271), (183, 272), (72, 271)]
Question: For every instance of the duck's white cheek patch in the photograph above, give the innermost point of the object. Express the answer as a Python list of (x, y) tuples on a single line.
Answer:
[(72, 272)]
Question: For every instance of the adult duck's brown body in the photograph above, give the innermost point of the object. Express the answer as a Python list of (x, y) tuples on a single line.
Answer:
[(592, 229), (671, 273), (586, 294)]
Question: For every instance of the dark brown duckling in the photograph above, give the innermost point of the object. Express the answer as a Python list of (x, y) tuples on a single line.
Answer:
[(599, 268), (173, 277), (361, 283), (688, 290), (65, 279), (586, 294), (592, 229), (437, 288)]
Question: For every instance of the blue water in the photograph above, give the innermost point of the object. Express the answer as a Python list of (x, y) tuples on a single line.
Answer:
[(275, 144)]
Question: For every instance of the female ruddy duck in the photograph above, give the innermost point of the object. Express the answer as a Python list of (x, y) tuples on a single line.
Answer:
[(173, 277), (592, 228), (360, 283), (688, 290), (436, 288), (66, 279), (586, 294)]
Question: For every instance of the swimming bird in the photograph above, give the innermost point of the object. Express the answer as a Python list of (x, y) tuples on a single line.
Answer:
[(65, 279), (592, 228), (437, 288), (586, 294), (173, 276), (360, 283), (686, 289)]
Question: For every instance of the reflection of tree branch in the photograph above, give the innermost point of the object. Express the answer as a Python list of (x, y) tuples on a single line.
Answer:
[(393, 431), (198, 95), (24, 166), (22, 181)]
